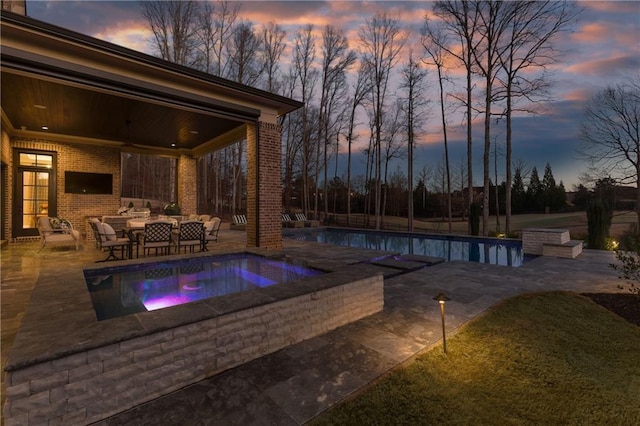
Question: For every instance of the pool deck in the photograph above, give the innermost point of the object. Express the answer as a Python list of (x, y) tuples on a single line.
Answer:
[(297, 383)]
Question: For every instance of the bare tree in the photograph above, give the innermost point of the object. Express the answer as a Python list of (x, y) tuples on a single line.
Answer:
[(494, 18), (531, 30), (433, 41), (360, 89), (244, 51), (381, 41), (303, 64), (336, 60), (273, 43), (610, 133), (223, 21), (174, 25), (460, 20), (414, 103)]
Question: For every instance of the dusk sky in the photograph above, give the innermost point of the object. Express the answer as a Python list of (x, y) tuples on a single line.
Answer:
[(602, 49)]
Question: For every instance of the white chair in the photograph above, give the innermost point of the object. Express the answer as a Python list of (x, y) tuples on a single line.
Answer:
[(61, 235), (238, 222), (107, 239), (211, 229)]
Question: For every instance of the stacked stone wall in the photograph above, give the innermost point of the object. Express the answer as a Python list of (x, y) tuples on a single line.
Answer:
[(87, 387)]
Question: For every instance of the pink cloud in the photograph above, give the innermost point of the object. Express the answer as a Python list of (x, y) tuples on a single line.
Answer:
[(607, 67)]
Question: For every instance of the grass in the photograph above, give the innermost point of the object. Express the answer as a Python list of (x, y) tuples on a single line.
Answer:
[(542, 359), (576, 222)]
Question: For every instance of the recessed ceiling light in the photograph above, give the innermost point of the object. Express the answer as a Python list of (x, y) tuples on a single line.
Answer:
[(45, 128), (173, 144), (194, 132), (40, 106)]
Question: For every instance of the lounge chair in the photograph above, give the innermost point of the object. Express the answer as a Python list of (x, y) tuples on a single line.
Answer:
[(301, 217), (288, 222), (61, 234), (238, 222)]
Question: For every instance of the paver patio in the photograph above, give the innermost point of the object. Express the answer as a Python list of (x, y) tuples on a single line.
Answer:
[(295, 384)]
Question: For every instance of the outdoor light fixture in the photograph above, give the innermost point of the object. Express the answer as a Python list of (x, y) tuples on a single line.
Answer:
[(441, 298)]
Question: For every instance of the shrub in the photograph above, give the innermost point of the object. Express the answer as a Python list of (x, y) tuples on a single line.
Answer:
[(598, 223), (629, 257)]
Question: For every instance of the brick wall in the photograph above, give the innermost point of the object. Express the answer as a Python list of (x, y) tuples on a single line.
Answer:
[(79, 158), (7, 182), (264, 186), (87, 387), (187, 188)]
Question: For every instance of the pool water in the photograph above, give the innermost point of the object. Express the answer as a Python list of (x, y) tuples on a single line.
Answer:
[(132, 289), (471, 249)]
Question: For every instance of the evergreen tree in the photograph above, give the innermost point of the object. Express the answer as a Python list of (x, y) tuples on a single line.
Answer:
[(555, 197), (581, 197), (518, 193), (560, 197), (535, 192)]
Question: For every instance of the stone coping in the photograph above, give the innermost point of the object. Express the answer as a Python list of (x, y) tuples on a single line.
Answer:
[(60, 319), (545, 230)]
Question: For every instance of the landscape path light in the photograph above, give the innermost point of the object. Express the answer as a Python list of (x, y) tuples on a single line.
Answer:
[(442, 298)]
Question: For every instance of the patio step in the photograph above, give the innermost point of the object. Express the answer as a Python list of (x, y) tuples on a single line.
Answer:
[(403, 264), (570, 249)]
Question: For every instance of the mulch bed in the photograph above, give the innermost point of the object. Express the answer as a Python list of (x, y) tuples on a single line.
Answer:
[(625, 305)]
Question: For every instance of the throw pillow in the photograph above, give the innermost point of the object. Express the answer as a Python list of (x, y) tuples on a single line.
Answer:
[(60, 224), (109, 233)]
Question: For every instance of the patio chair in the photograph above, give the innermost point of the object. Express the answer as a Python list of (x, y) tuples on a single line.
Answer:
[(211, 229), (301, 217), (156, 235), (288, 222), (238, 222), (60, 235), (190, 234), (106, 238)]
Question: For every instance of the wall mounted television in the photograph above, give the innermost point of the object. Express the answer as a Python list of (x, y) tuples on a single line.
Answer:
[(88, 183)]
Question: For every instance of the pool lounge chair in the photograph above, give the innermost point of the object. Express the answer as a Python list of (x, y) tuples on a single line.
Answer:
[(238, 222), (288, 222), (307, 222)]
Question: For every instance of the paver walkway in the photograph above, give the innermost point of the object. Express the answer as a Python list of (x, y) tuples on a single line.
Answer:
[(295, 384)]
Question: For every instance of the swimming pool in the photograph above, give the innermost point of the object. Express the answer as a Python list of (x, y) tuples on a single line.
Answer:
[(496, 251), (127, 290)]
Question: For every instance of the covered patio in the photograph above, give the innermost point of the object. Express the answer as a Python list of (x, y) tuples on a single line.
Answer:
[(80, 102)]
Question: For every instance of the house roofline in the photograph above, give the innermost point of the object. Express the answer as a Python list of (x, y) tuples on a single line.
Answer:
[(130, 54)]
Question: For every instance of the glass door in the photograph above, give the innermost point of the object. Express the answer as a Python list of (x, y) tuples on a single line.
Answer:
[(35, 192)]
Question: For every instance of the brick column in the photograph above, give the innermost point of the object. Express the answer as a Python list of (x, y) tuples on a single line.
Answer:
[(187, 185), (264, 186)]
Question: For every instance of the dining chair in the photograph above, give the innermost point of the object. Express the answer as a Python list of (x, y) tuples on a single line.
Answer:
[(211, 229), (157, 235), (190, 234)]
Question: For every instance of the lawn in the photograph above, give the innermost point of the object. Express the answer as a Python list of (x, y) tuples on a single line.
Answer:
[(543, 359), (576, 222)]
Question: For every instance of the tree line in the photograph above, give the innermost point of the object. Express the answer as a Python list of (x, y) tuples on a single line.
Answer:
[(373, 92)]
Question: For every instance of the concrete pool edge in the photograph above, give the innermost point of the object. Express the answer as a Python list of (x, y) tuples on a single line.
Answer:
[(66, 365)]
